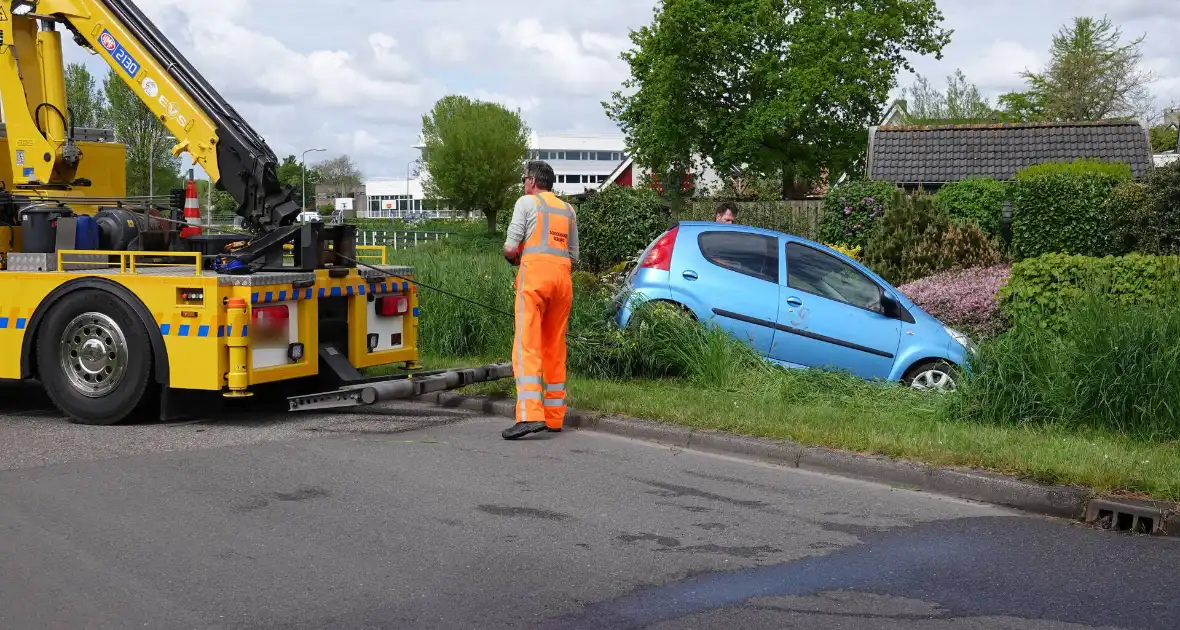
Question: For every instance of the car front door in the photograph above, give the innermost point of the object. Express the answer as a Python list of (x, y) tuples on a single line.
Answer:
[(733, 277), (831, 316)]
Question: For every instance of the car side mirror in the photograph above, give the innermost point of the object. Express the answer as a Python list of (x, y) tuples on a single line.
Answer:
[(892, 309)]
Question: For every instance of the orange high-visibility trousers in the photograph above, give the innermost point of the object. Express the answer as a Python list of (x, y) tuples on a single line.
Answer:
[(544, 295)]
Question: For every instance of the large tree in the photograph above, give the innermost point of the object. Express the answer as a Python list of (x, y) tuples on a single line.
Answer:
[(291, 173), (777, 86), (960, 103), (149, 144), (1092, 75), (340, 174), (474, 154), (85, 100)]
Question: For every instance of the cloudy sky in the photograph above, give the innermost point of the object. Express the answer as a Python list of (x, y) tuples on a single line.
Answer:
[(355, 76)]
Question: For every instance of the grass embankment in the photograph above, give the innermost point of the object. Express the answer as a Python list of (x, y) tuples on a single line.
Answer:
[(1098, 410)]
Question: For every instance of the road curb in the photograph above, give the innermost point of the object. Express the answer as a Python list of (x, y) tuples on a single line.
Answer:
[(1059, 501)]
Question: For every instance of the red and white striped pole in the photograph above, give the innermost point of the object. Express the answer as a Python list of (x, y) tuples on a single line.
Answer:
[(192, 209)]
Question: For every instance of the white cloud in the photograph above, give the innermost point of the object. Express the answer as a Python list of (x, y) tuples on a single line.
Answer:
[(388, 61), (585, 65), (523, 104), (998, 68), (446, 46)]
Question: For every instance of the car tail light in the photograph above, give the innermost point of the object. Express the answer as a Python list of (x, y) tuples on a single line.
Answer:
[(660, 254), (392, 305), (270, 320)]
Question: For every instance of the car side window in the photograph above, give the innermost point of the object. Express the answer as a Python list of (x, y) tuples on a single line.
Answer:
[(812, 271), (754, 255)]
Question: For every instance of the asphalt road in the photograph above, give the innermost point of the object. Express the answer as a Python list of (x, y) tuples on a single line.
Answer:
[(415, 517)]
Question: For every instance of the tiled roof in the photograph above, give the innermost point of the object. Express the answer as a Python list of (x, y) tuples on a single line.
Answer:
[(938, 154)]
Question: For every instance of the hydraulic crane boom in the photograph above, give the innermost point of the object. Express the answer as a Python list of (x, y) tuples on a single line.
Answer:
[(233, 154)]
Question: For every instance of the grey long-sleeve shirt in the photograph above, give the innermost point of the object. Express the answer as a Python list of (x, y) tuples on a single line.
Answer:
[(524, 221)]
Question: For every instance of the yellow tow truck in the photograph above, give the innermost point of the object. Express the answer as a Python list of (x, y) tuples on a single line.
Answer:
[(117, 311)]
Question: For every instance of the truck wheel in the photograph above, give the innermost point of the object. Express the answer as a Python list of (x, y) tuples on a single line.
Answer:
[(94, 358)]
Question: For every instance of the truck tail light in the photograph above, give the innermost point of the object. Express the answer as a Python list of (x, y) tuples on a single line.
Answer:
[(268, 321), (660, 254), (392, 305)]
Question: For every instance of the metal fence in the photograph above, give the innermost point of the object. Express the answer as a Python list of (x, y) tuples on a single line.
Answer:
[(400, 239), (801, 218)]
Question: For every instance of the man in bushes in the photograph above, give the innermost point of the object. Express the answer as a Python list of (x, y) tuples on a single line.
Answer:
[(726, 212), (543, 241)]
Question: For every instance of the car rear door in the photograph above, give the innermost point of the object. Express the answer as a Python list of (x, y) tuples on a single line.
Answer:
[(731, 278), (831, 316)]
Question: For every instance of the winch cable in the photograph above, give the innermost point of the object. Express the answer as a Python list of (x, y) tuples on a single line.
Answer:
[(424, 285)]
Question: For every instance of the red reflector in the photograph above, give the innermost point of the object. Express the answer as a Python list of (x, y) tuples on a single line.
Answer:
[(270, 319), (660, 255), (392, 305)]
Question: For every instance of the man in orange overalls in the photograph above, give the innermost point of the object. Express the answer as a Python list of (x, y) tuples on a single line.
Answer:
[(543, 241)]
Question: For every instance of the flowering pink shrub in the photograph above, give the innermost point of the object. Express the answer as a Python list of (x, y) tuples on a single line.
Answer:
[(963, 299)]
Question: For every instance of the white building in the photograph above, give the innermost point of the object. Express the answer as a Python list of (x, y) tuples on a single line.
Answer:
[(580, 163)]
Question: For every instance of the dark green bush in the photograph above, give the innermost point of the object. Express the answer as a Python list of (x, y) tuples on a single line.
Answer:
[(618, 223), (1164, 189), (1134, 226), (915, 240), (852, 211), (1060, 207), (978, 199), (1042, 290)]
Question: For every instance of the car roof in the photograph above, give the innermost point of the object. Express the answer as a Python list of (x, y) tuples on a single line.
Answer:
[(748, 229)]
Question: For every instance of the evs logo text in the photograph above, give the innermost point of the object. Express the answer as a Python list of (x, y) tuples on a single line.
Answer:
[(124, 58)]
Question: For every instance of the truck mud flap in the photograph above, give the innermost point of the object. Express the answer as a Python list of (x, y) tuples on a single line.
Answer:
[(399, 386)]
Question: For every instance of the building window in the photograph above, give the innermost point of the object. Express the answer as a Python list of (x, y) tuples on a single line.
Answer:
[(573, 155), (544, 155)]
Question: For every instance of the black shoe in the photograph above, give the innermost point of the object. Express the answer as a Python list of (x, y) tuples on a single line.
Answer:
[(552, 430), (521, 429)]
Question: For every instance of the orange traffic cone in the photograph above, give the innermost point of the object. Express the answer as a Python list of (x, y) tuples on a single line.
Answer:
[(192, 210)]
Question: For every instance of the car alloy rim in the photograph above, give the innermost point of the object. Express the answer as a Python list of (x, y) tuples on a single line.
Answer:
[(934, 380), (93, 354)]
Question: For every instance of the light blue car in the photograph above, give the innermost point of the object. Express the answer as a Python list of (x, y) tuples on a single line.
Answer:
[(798, 303)]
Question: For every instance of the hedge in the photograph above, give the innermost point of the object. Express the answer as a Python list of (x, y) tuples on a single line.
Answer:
[(852, 211), (977, 199), (1043, 289), (616, 224), (1060, 207)]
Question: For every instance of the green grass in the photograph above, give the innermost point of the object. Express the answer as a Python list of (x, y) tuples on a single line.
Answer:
[(1095, 407)]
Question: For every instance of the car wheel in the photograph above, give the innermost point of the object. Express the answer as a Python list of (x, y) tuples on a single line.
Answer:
[(94, 358), (938, 376)]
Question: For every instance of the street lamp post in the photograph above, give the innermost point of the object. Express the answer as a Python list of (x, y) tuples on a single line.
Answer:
[(409, 199), (303, 175)]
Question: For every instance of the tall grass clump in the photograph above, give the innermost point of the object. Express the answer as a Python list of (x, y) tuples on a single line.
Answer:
[(1109, 367)]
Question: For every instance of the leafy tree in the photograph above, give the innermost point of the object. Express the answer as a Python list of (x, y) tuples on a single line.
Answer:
[(149, 144), (1023, 107), (1092, 75), (291, 173), (961, 103), (340, 174), (474, 153), (1163, 138), (87, 106), (783, 86)]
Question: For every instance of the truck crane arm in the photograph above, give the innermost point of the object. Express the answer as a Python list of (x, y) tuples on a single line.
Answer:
[(234, 155)]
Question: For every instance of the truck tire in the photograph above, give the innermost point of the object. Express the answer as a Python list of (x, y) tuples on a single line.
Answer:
[(94, 358)]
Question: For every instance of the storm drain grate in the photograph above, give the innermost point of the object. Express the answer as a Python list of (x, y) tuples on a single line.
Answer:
[(1125, 516)]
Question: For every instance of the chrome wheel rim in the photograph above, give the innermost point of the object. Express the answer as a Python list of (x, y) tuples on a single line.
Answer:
[(93, 354), (934, 380)]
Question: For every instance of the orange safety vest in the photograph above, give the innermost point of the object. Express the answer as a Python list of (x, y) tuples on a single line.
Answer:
[(550, 238)]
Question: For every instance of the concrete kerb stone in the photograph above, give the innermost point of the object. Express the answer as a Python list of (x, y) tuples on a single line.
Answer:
[(1059, 501)]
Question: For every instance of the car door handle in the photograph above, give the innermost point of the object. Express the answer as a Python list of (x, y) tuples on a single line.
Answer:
[(689, 275), (794, 301)]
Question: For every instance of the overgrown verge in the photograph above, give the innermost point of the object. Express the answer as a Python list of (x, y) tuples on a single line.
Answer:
[(1095, 406)]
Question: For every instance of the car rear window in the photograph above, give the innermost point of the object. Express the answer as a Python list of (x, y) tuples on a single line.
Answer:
[(754, 255)]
